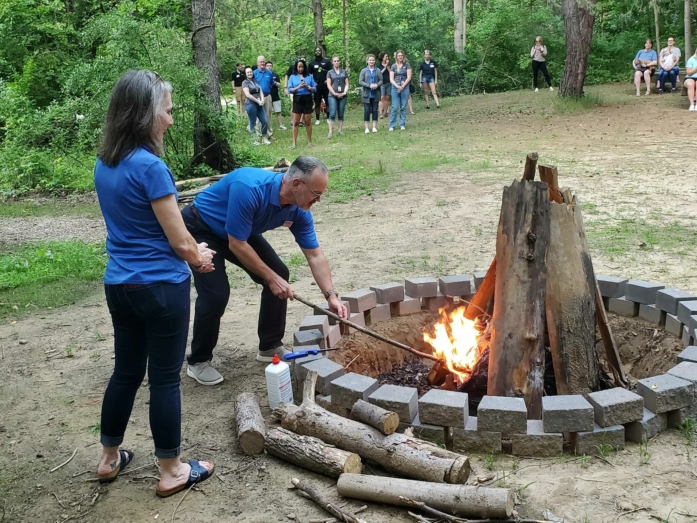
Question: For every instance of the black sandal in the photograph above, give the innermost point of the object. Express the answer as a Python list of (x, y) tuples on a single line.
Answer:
[(197, 474)]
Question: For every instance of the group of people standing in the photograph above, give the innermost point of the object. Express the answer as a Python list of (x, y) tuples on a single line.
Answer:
[(323, 86)]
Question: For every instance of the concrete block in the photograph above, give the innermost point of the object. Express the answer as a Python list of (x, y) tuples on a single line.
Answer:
[(689, 354), (536, 442), (590, 443), (642, 291), (360, 300), (687, 338), (648, 427), (434, 303), (479, 278), (402, 400), (673, 325), (652, 314), (665, 392), (686, 309), (326, 403), (568, 413), (295, 370), (355, 317), (471, 440), (616, 406), (388, 292), (322, 308), (611, 286), (319, 322), (606, 303), (444, 407), (377, 314), (458, 285), (432, 433), (623, 307), (309, 337), (333, 336), (327, 371), (351, 387), (667, 299), (502, 414), (425, 287), (405, 307), (686, 370), (677, 418)]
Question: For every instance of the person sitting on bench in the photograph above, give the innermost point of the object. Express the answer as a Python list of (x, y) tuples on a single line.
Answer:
[(669, 66), (644, 64)]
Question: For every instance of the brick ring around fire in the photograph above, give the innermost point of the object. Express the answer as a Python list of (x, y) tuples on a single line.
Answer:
[(603, 419)]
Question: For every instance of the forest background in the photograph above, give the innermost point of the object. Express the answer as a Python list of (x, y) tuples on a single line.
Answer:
[(59, 60)]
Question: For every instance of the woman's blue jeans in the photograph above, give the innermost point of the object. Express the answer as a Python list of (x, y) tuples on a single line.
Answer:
[(337, 105), (672, 74), (151, 324), (399, 105), (256, 111)]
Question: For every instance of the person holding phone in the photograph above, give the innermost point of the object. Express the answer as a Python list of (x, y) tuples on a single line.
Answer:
[(386, 87), (337, 85), (538, 53), (302, 86)]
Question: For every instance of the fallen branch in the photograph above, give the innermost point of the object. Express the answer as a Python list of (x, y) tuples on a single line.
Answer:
[(58, 500), (419, 519), (335, 511), (429, 510), (181, 500), (631, 512), (65, 462)]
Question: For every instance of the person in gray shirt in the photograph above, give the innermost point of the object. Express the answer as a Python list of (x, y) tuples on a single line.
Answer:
[(337, 85), (400, 78), (538, 53), (370, 80)]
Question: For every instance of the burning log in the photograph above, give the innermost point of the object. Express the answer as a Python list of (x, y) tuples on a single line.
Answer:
[(516, 358), (385, 421)]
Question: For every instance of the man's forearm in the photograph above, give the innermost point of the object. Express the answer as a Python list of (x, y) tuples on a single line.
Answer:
[(250, 259), (320, 269)]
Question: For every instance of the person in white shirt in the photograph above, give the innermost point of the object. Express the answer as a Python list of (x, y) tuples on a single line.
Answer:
[(669, 61), (538, 53)]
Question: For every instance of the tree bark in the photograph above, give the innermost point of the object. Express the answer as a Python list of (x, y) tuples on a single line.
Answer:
[(689, 51), (385, 421), (251, 430), (461, 500), (570, 302), (318, 14), (657, 43), (516, 359), (401, 454), (209, 147), (311, 453), (344, 40), (458, 9), (578, 25)]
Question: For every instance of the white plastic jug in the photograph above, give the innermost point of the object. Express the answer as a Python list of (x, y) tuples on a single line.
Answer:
[(278, 382)]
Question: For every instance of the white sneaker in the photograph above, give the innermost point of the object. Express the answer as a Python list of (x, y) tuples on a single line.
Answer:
[(204, 373), (375, 129), (537, 90), (283, 127), (255, 143), (692, 108), (367, 131), (329, 135), (266, 141), (551, 88), (402, 128), (316, 122), (392, 128)]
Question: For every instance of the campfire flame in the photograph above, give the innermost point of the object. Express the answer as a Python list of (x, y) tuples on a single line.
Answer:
[(455, 341)]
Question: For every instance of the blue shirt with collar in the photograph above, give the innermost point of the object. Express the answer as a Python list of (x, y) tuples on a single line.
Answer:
[(247, 202), (295, 80), (139, 252), (649, 56), (265, 79)]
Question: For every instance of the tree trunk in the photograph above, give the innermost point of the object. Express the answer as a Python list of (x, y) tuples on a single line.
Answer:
[(657, 43), (689, 51), (461, 500), (516, 359), (311, 453), (251, 430), (318, 13), (578, 25), (344, 40), (385, 421), (459, 25), (209, 147), (570, 302)]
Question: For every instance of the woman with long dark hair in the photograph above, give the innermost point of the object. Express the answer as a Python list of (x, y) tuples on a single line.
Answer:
[(386, 87), (147, 279), (302, 86)]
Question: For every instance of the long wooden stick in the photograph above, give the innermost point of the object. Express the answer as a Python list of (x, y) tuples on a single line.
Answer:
[(368, 331), (335, 511)]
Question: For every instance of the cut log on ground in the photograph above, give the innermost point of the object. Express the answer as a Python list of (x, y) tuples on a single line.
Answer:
[(311, 453), (385, 421), (251, 430), (401, 454), (461, 500), (570, 302), (516, 358), (334, 510)]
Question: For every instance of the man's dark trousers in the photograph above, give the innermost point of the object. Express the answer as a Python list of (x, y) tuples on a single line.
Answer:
[(213, 290)]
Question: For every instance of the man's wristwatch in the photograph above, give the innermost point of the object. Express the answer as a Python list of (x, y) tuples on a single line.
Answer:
[(330, 293)]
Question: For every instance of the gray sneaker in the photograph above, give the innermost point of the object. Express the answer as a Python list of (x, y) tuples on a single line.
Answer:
[(204, 373), (267, 355)]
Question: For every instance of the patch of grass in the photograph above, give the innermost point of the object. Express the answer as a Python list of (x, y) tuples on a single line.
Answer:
[(604, 450), (585, 461), (49, 274), (295, 262), (644, 454), (688, 430), (572, 105), (96, 428), (521, 491), (349, 183), (623, 235), (56, 207), (490, 461)]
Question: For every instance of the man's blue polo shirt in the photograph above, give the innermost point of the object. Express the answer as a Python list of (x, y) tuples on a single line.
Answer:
[(247, 202), (265, 80)]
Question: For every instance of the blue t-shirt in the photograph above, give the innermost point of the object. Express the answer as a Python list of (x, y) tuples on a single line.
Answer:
[(649, 56), (247, 202), (137, 246), (264, 79), (295, 81), (692, 62)]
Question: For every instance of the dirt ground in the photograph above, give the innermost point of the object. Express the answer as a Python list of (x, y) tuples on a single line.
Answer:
[(622, 159)]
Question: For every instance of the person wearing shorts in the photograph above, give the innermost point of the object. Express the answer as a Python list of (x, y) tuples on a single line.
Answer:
[(275, 97), (428, 73), (237, 78), (386, 87), (302, 86), (644, 65)]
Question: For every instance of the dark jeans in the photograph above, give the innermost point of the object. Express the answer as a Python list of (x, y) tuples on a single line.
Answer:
[(536, 68), (322, 92), (151, 324), (663, 75), (371, 108), (213, 290)]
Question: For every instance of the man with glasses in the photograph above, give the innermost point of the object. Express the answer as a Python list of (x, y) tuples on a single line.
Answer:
[(231, 216)]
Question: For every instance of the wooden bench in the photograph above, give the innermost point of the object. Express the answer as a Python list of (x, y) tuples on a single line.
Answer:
[(678, 84)]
